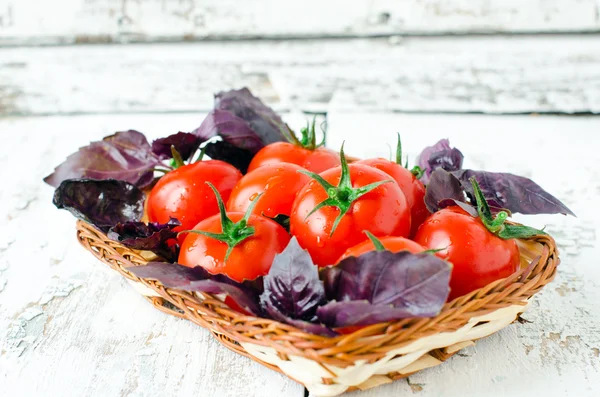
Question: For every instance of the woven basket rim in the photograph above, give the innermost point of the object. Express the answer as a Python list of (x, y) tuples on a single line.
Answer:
[(368, 343)]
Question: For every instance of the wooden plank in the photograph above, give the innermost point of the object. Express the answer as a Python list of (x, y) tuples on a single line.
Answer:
[(70, 326), (492, 75), (76, 21), (557, 353)]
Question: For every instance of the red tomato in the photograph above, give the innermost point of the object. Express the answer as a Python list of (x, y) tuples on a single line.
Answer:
[(279, 184), (383, 211), (183, 193), (479, 257), (249, 259), (315, 160), (390, 243), (413, 189)]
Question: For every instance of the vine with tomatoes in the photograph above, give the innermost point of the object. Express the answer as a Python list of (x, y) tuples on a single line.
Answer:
[(288, 229)]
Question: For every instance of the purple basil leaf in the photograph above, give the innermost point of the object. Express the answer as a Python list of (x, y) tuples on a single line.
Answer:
[(225, 151), (312, 328), (442, 186), (347, 313), (395, 285), (173, 275), (101, 203), (292, 289), (184, 142), (125, 156), (261, 118), (242, 120), (232, 129), (468, 208), (440, 155), (156, 237), (515, 193)]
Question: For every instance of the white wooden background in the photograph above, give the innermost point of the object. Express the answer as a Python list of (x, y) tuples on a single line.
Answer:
[(69, 326)]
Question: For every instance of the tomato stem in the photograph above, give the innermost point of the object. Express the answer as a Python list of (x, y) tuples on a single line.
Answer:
[(343, 195), (376, 242), (163, 170), (308, 133), (399, 151), (416, 171), (201, 155), (497, 224), (176, 157), (434, 251), (232, 233)]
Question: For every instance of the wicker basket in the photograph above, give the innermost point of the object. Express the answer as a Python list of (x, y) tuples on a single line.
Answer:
[(369, 357)]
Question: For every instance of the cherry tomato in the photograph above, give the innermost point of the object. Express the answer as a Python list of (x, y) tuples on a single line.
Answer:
[(279, 184), (315, 160), (183, 193), (328, 232), (413, 189), (390, 243), (479, 257), (248, 259)]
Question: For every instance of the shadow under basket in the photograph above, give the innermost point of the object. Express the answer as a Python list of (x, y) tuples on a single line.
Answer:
[(369, 357)]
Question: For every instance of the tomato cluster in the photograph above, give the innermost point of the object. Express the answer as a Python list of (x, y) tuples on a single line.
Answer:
[(235, 225)]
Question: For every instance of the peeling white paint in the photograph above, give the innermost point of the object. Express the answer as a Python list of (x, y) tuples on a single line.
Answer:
[(467, 74), (25, 330), (59, 288), (3, 279), (29, 21)]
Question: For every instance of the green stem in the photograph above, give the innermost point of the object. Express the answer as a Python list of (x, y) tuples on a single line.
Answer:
[(399, 150), (376, 242), (416, 171), (163, 170), (201, 155), (308, 138), (434, 250), (343, 195), (176, 157), (497, 225), (232, 233)]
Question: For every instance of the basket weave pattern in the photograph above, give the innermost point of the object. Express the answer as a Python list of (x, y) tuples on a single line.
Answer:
[(368, 357)]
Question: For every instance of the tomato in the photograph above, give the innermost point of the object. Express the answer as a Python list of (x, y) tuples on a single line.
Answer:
[(239, 245), (329, 219), (479, 257), (279, 184), (413, 189), (316, 160), (183, 193), (390, 243)]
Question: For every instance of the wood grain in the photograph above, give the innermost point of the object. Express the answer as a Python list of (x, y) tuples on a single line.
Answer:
[(72, 327), (85, 21), (491, 75)]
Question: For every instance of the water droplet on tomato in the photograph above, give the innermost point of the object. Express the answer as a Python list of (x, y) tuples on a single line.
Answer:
[(253, 196), (320, 242)]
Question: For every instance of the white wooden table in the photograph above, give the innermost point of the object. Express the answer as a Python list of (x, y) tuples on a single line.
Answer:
[(69, 326)]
